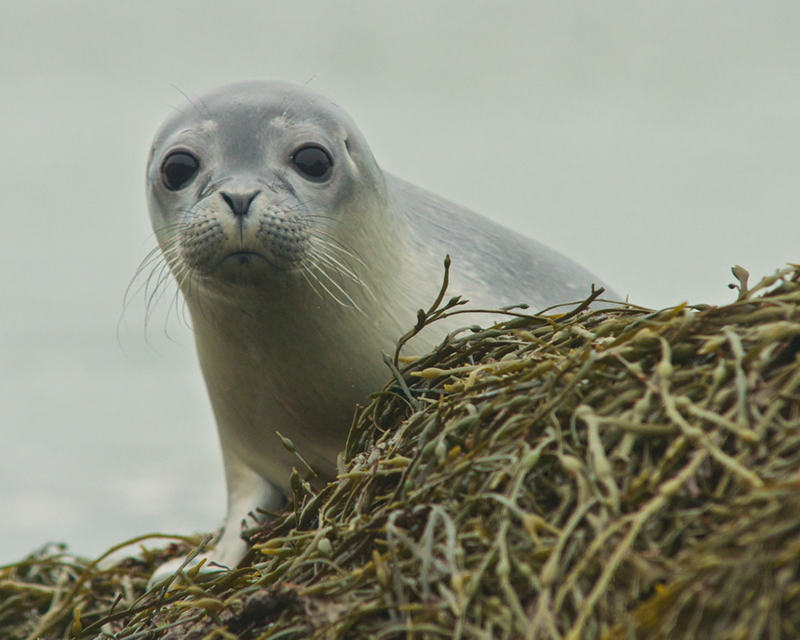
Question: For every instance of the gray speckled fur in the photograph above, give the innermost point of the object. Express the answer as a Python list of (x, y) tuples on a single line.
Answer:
[(492, 265)]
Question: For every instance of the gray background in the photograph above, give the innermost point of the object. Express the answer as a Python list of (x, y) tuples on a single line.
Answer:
[(656, 143)]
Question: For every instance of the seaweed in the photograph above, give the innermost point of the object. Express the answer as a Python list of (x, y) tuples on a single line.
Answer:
[(605, 473)]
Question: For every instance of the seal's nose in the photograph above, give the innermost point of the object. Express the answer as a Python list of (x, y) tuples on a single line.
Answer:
[(239, 202)]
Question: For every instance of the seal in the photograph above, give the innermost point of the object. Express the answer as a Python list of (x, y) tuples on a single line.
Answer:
[(300, 260)]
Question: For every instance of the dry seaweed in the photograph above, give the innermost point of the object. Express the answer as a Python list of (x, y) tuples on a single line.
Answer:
[(615, 473)]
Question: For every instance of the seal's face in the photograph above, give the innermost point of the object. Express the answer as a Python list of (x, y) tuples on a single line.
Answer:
[(249, 184)]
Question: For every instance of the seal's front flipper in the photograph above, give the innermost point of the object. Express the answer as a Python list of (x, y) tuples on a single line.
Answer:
[(247, 492)]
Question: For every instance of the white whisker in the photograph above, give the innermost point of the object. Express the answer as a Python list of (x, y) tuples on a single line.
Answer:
[(318, 267)]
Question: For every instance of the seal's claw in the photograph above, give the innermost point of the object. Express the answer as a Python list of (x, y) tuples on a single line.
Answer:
[(199, 567)]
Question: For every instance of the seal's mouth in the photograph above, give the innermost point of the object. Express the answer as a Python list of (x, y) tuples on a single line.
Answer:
[(243, 258), (249, 264)]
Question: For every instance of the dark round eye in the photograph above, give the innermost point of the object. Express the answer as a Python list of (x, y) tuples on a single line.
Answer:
[(178, 170), (314, 163)]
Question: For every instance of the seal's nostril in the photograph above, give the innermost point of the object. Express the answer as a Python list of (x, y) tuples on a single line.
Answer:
[(239, 202)]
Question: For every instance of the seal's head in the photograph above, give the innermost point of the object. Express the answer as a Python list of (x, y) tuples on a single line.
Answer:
[(262, 182)]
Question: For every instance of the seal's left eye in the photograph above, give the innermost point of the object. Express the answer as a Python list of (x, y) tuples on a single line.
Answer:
[(313, 162), (178, 170)]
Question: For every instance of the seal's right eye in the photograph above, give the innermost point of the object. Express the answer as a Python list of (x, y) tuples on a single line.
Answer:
[(178, 170)]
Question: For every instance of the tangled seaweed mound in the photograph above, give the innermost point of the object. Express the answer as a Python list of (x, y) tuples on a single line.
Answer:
[(617, 474)]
